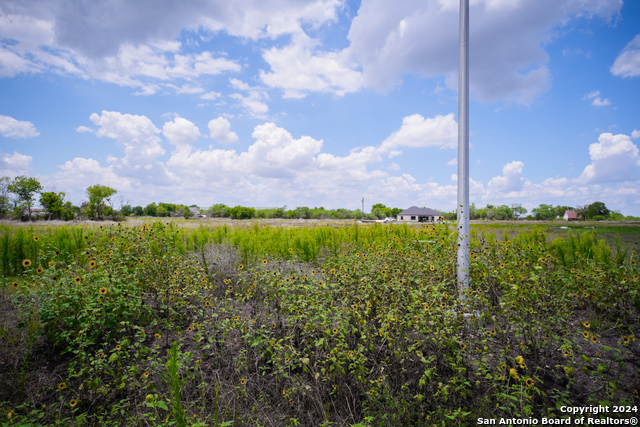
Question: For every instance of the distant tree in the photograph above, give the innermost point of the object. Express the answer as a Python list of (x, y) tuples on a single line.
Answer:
[(151, 209), (99, 195), (53, 203), (596, 209), (219, 210), (126, 210), (242, 212), (501, 212), (518, 210), (303, 212), (544, 212), (380, 211), (25, 189), (162, 212), (138, 211), (5, 202)]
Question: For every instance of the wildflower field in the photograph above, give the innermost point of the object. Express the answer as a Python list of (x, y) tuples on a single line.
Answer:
[(259, 325)]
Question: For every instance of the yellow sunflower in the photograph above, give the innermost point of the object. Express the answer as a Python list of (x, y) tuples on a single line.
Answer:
[(103, 291), (26, 263)]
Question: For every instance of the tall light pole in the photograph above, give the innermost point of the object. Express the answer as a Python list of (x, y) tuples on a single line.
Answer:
[(463, 150)]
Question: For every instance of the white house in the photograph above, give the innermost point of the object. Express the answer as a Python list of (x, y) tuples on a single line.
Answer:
[(416, 214)]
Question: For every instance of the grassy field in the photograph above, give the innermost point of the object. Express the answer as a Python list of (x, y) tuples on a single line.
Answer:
[(278, 323)]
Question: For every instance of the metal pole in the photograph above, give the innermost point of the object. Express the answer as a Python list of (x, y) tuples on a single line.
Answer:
[(463, 150)]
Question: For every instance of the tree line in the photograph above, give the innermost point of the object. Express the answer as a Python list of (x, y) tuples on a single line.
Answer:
[(19, 195)]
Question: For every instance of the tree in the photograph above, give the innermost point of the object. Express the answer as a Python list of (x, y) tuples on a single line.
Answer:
[(596, 209), (99, 195), (5, 203), (518, 210), (138, 211), (544, 212), (219, 210), (53, 203), (151, 209), (162, 211), (25, 188), (242, 212), (126, 210)]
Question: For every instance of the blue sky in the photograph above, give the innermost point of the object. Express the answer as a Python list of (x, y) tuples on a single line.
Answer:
[(322, 102)]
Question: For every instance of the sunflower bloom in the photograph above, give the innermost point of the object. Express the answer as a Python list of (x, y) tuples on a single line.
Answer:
[(103, 291), (62, 386), (77, 279), (26, 263), (73, 402), (529, 381), (585, 334)]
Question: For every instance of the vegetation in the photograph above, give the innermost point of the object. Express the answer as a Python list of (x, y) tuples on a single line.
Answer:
[(259, 325)]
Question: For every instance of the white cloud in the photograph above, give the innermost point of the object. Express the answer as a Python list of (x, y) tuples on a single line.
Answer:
[(627, 64), (299, 68), (252, 102), (210, 96), (508, 38), (180, 131), (635, 134), (511, 179), (137, 134), (597, 101), (613, 159), (133, 44), (453, 162), (393, 167), (14, 164), (416, 131), (82, 129), (220, 131), (12, 128)]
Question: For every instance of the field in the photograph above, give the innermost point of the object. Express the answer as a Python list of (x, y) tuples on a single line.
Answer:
[(332, 323)]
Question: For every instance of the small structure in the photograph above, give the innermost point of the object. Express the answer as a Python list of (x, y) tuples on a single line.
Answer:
[(196, 212), (569, 215), (416, 214)]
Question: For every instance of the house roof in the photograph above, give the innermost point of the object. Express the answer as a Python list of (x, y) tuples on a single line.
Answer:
[(571, 214), (414, 210)]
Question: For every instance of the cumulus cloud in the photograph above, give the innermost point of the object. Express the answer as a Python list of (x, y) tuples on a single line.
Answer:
[(597, 101), (220, 131), (627, 64), (137, 134), (252, 100), (635, 134), (416, 131), (511, 179), (299, 68), (614, 158), (15, 164), (139, 138), (12, 128), (133, 43), (507, 54), (180, 131)]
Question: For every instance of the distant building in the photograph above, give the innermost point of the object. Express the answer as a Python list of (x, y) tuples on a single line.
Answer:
[(416, 214), (196, 212), (569, 215)]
